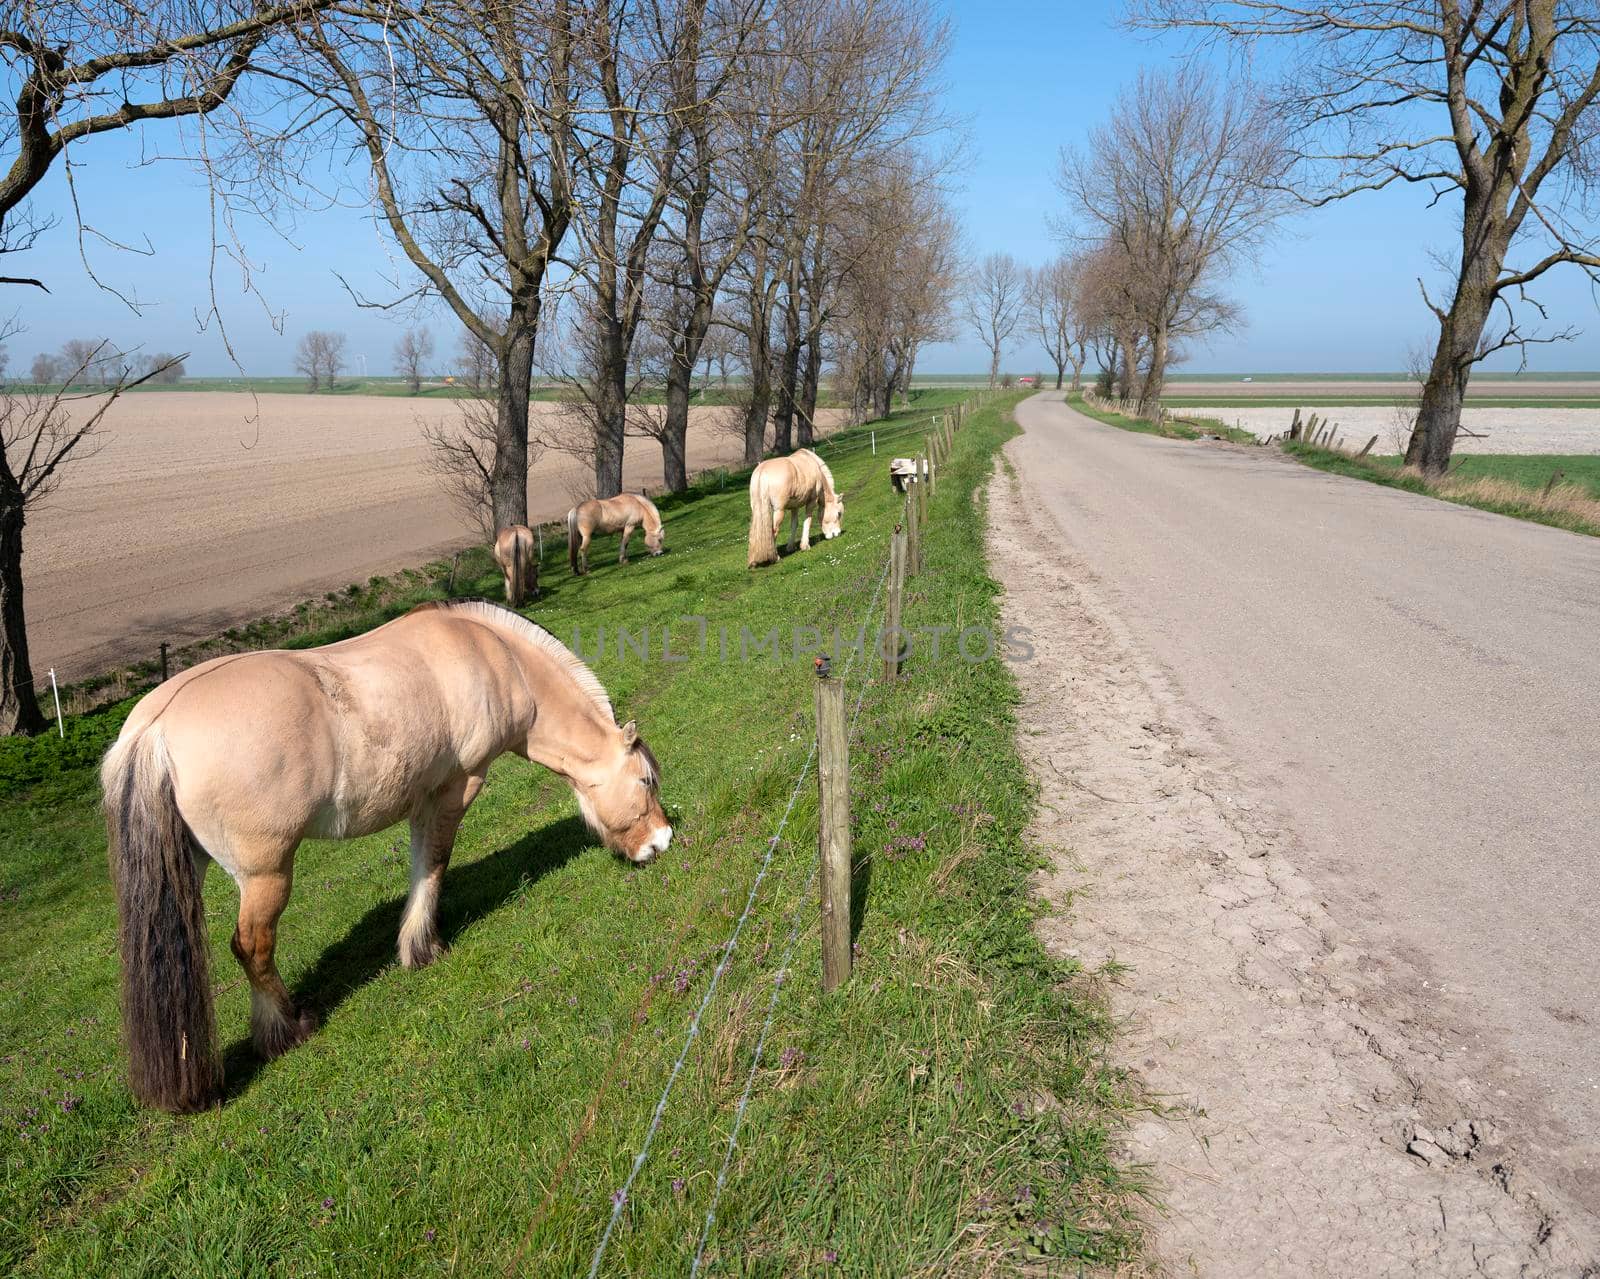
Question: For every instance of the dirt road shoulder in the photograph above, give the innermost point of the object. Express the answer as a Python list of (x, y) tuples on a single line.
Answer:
[(1297, 1126)]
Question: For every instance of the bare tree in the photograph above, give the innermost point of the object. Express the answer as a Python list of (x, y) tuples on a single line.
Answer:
[(46, 369), (333, 357), (993, 305), (1189, 181), (92, 359), (1493, 103), (411, 353), (1057, 316), (79, 69), (647, 84), (165, 368), (475, 360), (311, 358), (39, 436), (901, 248), (462, 455), (466, 115)]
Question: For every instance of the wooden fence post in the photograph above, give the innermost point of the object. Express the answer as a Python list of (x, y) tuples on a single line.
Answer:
[(1368, 449), (913, 533), (163, 661), (833, 830), (451, 588), (922, 500), (891, 611), (1550, 485)]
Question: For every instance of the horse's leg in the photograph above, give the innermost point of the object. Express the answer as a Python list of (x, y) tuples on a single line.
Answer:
[(627, 532), (583, 550), (805, 532), (433, 837), (777, 525), (794, 528), (276, 1025)]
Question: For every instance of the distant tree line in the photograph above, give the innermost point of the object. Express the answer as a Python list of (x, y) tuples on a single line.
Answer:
[(100, 362)]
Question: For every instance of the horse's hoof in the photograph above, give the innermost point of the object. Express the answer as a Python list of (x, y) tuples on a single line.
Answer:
[(281, 1034)]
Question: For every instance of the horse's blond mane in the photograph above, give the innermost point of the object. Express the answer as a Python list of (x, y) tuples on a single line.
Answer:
[(494, 615)]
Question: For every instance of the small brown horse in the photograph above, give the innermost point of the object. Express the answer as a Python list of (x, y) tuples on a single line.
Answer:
[(239, 759), (516, 552), (626, 511), (799, 482)]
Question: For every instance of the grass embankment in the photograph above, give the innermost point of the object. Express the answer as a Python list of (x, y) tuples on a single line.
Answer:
[(1518, 486), (948, 1109), (1173, 428), (1223, 403)]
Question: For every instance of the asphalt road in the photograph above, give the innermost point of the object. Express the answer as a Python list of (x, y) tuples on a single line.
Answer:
[(1417, 687)]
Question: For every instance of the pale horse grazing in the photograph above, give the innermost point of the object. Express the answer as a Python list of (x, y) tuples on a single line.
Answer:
[(239, 759), (516, 552), (624, 513), (799, 482)]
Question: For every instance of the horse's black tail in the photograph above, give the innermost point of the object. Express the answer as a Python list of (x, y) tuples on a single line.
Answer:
[(167, 1016), (572, 539)]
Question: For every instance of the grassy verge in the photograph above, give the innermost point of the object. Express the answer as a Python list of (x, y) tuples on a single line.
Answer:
[(946, 1112), (1506, 485), (1184, 428), (1225, 403)]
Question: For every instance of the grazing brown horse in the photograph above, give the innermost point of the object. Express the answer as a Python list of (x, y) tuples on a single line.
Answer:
[(516, 552), (626, 511), (801, 481), (239, 759)]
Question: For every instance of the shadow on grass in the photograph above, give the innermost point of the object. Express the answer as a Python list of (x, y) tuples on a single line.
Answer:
[(471, 892)]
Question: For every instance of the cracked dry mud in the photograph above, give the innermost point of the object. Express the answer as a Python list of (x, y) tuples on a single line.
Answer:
[(1302, 1118)]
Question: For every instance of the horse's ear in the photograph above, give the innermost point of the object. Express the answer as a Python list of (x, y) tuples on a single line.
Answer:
[(630, 734)]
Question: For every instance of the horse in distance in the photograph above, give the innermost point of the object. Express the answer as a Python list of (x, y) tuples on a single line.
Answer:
[(799, 482), (516, 552), (623, 513)]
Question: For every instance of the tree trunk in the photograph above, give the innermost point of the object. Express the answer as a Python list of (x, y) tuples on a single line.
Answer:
[(1061, 376), (1077, 376), (610, 410), (788, 378), (994, 365), (1433, 438), (19, 708), (756, 412), (1130, 368), (1156, 379), (675, 427), (508, 480), (805, 426)]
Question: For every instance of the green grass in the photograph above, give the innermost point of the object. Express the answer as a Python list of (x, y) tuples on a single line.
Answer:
[(1187, 428), (948, 1110), (1530, 472), (1221, 401)]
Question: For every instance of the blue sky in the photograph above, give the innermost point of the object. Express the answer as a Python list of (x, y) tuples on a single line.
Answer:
[(1336, 292)]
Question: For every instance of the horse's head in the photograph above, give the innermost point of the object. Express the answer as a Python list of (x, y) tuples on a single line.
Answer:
[(623, 807), (833, 516), (653, 541)]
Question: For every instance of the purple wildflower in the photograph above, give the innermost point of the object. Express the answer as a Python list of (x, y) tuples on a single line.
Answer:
[(678, 1185), (328, 1202), (428, 1234), (617, 1197), (830, 1256)]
